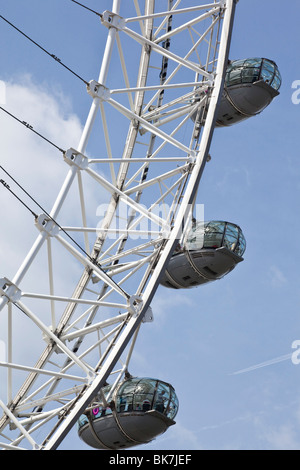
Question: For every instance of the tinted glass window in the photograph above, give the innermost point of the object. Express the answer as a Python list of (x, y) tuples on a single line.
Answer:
[(252, 70), (216, 234)]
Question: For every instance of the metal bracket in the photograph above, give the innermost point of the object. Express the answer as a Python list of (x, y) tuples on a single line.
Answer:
[(50, 341), (72, 157), (9, 290), (135, 304), (112, 20), (148, 318), (191, 159), (96, 90), (44, 224)]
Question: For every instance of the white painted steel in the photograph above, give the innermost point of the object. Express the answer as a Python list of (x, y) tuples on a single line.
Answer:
[(92, 338)]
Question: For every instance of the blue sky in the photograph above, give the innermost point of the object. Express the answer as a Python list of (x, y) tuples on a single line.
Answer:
[(250, 317)]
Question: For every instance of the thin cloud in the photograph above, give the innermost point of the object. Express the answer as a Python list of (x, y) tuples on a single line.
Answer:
[(285, 357), (276, 276)]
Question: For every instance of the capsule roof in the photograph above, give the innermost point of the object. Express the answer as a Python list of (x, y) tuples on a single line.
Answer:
[(253, 70)]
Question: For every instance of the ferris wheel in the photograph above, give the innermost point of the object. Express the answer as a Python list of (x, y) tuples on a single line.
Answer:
[(158, 117)]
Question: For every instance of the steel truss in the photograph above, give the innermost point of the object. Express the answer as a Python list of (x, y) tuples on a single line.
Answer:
[(93, 330)]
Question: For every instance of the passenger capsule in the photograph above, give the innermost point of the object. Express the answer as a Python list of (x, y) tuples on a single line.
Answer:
[(212, 249), (250, 86), (136, 412)]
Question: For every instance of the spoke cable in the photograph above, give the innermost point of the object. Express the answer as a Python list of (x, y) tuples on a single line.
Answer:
[(53, 56), (17, 197), (92, 260), (43, 210), (28, 126), (87, 8)]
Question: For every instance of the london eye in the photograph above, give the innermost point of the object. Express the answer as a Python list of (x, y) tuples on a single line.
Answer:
[(84, 288)]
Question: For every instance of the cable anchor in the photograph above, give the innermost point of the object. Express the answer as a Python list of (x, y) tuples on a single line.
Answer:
[(46, 224), (73, 157), (9, 290), (96, 90), (112, 20)]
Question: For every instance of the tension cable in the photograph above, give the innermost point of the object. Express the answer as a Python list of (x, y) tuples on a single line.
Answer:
[(42, 209), (28, 126), (53, 56), (87, 8)]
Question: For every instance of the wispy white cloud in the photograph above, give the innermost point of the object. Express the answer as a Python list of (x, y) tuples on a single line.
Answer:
[(35, 164), (276, 277), (283, 437), (177, 437), (39, 168), (232, 175)]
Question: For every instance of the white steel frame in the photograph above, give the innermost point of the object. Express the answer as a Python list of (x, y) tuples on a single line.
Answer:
[(120, 276)]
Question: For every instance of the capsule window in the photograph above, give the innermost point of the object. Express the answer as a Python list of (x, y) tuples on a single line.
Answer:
[(82, 421), (253, 70), (162, 398), (216, 234), (173, 404)]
